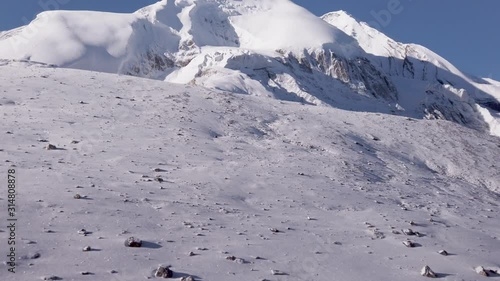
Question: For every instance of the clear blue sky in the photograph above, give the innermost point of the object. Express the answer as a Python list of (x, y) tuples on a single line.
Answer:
[(467, 33)]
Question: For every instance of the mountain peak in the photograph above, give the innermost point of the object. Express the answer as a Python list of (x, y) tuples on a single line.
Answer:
[(260, 47)]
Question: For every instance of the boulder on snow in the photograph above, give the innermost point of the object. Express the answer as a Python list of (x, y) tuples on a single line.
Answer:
[(443, 252), (164, 272), (133, 242), (187, 278), (51, 147), (409, 244), (481, 271), (409, 232), (427, 272)]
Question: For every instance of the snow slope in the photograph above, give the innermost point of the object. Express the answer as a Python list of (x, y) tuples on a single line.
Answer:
[(406, 62), (339, 190), (262, 48)]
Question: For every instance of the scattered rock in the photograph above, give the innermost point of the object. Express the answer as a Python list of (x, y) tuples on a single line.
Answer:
[(277, 272), (481, 271), (75, 142), (159, 170), (427, 272), (409, 232), (52, 277), (159, 179), (231, 258), (113, 271), (240, 261), (83, 232), (164, 272), (77, 196), (409, 244), (188, 278), (51, 147), (274, 230), (30, 256), (86, 273), (87, 249), (191, 254), (443, 252), (133, 242)]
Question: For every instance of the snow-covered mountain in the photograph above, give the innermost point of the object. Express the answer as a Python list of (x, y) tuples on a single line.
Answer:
[(230, 187), (266, 48)]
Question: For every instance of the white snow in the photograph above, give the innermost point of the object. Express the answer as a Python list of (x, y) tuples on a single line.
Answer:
[(316, 192), (236, 166)]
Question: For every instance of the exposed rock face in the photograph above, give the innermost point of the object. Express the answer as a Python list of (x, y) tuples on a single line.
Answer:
[(359, 73)]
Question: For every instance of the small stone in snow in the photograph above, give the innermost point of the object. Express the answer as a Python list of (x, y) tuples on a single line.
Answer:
[(481, 271), (231, 258), (277, 272), (408, 232), (52, 277), (133, 242), (87, 249), (77, 196), (240, 261), (274, 230), (86, 273), (409, 244), (51, 147), (164, 272), (191, 254), (427, 272), (83, 232), (443, 252)]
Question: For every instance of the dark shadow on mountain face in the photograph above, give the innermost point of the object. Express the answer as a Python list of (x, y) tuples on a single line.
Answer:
[(328, 78)]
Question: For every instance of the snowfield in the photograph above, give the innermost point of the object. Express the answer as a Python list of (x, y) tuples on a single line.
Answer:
[(262, 48), (316, 193)]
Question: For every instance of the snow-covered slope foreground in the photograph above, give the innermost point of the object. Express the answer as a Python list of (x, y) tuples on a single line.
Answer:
[(265, 48), (317, 193)]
